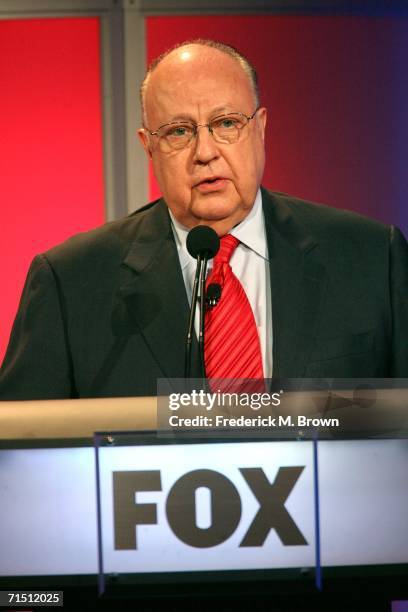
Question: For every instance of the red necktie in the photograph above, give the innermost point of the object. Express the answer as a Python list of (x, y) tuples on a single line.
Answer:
[(232, 348)]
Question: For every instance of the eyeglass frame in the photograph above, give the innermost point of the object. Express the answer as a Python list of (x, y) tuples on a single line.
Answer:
[(207, 125)]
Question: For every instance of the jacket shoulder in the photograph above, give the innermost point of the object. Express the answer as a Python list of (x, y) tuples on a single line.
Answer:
[(107, 243), (324, 222)]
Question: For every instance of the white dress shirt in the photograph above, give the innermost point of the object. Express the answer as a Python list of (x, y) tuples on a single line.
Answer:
[(250, 265)]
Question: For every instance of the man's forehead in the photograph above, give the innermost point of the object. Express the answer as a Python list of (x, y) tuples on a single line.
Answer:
[(195, 56), (193, 63), (196, 75)]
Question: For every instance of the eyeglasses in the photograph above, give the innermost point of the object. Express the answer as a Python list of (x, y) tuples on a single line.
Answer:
[(225, 129)]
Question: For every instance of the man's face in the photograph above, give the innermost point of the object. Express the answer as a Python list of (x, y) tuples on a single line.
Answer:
[(207, 182)]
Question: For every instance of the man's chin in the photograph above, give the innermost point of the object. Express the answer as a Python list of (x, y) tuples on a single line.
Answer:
[(220, 213), (224, 224), (214, 208)]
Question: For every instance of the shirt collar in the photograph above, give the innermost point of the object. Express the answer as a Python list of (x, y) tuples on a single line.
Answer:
[(180, 235), (251, 232)]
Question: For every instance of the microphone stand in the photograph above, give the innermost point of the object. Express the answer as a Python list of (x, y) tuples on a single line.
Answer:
[(187, 364), (199, 283), (202, 243), (203, 272)]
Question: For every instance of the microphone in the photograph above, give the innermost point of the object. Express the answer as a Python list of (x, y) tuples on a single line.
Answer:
[(213, 294), (202, 244), (202, 240)]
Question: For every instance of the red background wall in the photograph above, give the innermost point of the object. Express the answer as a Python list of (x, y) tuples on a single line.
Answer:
[(51, 162)]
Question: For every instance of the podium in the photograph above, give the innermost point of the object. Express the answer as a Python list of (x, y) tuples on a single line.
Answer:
[(94, 497)]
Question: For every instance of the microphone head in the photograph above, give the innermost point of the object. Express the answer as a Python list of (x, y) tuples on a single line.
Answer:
[(213, 294), (203, 240), (214, 291)]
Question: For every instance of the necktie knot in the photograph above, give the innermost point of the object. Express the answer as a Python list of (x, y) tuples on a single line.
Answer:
[(228, 244)]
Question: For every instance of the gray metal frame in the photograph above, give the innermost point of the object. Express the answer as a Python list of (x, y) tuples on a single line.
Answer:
[(123, 60)]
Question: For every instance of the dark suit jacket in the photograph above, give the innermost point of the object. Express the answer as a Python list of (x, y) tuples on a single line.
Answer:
[(105, 313)]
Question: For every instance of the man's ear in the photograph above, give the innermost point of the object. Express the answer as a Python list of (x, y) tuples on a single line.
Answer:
[(144, 139), (262, 113)]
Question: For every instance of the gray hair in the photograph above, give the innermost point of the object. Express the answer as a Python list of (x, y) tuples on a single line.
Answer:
[(244, 62)]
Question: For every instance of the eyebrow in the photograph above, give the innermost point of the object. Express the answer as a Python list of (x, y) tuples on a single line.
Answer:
[(186, 117)]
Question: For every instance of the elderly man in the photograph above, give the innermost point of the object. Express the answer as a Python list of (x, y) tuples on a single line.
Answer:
[(324, 293)]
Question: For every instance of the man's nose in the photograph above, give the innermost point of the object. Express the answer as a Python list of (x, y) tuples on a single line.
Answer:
[(205, 146)]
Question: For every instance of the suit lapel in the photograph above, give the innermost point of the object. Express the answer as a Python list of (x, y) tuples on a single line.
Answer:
[(298, 282), (155, 293)]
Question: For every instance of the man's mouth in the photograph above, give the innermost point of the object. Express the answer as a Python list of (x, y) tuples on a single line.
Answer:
[(210, 184)]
